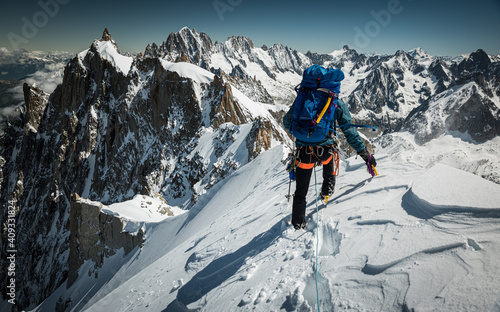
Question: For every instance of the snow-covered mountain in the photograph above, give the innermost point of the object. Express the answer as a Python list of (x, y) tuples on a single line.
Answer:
[(157, 181), (277, 68), (386, 90), (117, 127), (420, 55)]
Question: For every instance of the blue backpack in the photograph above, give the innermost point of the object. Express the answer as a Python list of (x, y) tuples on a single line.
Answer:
[(315, 103)]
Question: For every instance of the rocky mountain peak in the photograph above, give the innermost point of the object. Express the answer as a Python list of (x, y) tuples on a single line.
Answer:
[(419, 54), (106, 36), (240, 43), (237, 51), (287, 59), (403, 56), (186, 44), (35, 101), (351, 54), (478, 61), (479, 56), (226, 109), (190, 42)]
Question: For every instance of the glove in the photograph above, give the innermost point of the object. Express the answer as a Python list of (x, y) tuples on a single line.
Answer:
[(368, 158)]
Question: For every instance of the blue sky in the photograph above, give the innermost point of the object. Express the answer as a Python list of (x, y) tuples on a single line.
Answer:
[(439, 27)]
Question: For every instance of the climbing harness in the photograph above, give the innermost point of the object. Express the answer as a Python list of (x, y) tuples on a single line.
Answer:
[(312, 162)]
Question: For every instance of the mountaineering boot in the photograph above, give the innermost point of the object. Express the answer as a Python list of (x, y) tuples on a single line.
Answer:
[(324, 197), (299, 226)]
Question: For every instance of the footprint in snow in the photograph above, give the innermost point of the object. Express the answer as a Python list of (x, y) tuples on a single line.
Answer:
[(249, 272), (248, 297)]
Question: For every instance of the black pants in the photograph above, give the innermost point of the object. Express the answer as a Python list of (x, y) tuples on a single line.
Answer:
[(306, 157)]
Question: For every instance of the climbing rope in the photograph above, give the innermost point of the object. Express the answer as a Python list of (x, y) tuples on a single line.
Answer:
[(317, 237)]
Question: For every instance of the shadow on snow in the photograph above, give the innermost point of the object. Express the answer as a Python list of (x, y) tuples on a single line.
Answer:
[(221, 269)]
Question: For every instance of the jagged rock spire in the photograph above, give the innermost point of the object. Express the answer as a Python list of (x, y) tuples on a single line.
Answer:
[(106, 36)]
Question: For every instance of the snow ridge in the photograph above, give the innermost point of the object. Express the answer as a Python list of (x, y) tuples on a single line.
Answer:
[(376, 248)]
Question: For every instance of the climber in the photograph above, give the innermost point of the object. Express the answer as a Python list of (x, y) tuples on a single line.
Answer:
[(307, 153)]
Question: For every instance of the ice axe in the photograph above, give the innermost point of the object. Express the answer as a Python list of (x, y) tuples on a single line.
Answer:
[(371, 168)]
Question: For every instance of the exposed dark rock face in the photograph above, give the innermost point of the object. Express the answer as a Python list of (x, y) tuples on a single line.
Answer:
[(95, 235), (225, 108), (319, 58), (478, 61), (36, 101), (260, 138), (478, 117)]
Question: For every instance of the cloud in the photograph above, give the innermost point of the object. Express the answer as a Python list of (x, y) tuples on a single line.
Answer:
[(8, 113), (48, 78)]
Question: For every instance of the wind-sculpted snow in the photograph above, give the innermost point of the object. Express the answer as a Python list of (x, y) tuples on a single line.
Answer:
[(235, 252), (430, 195), (453, 149)]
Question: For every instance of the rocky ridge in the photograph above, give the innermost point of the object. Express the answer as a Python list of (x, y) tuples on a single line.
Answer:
[(233, 58)]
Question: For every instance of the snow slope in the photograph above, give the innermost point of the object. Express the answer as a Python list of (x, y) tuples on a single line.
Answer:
[(108, 51), (411, 238), (140, 210), (453, 149)]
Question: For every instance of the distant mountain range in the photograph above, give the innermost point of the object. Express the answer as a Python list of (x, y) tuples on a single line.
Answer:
[(18, 64), (395, 92), (268, 74)]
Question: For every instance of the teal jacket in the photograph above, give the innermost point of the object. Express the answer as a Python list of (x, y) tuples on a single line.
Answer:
[(343, 117)]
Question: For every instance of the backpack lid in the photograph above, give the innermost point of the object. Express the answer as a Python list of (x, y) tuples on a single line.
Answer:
[(317, 76)]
